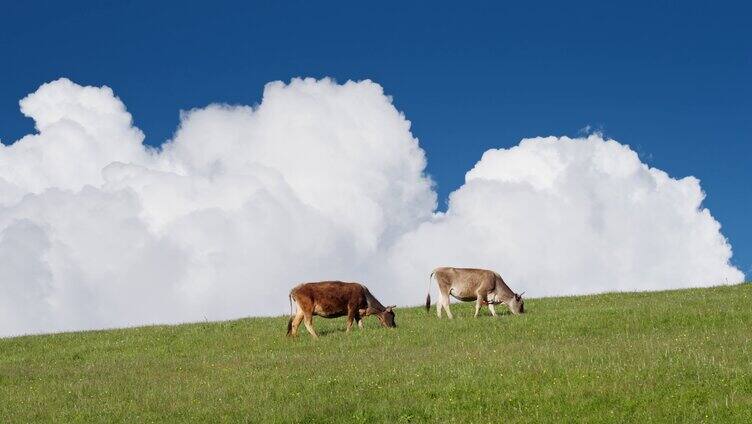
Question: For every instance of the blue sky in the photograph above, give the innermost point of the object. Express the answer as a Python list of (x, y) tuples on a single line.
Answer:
[(674, 81)]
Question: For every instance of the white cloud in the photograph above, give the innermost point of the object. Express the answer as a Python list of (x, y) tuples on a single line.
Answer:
[(573, 216), (81, 130), (319, 181)]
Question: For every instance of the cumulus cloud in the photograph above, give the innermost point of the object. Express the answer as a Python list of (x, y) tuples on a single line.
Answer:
[(319, 181), (575, 216)]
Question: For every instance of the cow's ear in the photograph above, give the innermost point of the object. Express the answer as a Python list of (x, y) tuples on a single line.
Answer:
[(390, 307)]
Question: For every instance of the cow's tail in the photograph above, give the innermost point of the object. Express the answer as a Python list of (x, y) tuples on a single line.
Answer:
[(428, 295), (289, 322)]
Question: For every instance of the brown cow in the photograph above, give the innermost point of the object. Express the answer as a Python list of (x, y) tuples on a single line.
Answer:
[(332, 299), (468, 284)]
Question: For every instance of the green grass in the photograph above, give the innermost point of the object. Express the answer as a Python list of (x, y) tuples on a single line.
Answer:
[(678, 356)]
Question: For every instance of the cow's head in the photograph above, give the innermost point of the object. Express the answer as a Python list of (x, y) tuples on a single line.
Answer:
[(386, 317), (516, 304)]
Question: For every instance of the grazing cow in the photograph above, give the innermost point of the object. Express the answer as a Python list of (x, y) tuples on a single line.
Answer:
[(332, 299), (467, 284)]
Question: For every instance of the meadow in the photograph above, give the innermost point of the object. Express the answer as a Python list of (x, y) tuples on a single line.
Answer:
[(674, 356)]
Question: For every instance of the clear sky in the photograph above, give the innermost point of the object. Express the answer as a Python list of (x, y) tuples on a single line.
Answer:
[(672, 80)]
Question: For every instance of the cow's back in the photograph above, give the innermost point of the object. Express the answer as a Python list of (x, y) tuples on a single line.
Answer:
[(329, 298), (465, 282), (465, 275)]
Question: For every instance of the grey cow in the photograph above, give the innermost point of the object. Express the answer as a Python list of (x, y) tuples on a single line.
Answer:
[(468, 284)]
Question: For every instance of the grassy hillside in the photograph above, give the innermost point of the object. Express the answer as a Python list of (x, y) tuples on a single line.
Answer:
[(679, 356)]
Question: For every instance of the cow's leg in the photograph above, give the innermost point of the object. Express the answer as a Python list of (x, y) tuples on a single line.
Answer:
[(477, 306), (296, 323), (359, 318), (308, 320), (440, 300), (350, 317), (444, 289), (483, 295), (445, 304), (492, 309)]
